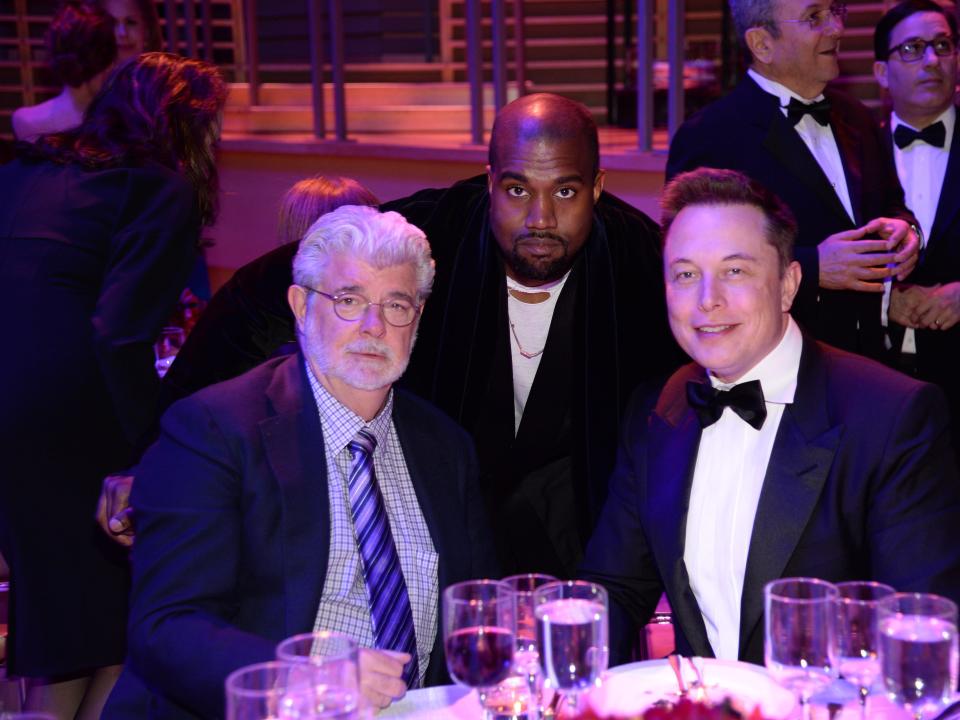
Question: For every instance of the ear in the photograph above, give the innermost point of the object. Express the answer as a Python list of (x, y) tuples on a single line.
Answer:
[(789, 285), (598, 185), (880, 73), (760, 44), (297, 297)]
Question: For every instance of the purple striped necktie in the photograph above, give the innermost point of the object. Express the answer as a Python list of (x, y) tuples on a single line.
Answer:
[(387, 591)]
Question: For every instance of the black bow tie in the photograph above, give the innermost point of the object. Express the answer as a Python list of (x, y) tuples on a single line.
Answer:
[(745, 399), (935, 135), (820, 111)]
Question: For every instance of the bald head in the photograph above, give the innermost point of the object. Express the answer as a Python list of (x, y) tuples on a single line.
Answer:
[(544, 116)]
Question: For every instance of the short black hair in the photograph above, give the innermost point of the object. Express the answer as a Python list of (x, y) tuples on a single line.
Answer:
[(900, 12)]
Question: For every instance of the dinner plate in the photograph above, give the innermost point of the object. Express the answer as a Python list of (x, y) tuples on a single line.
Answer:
[(444, 702), (630, 689)]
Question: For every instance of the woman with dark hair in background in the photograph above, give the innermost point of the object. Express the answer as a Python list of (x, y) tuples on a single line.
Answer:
[(137, 27), (82, 48), (98, 231)]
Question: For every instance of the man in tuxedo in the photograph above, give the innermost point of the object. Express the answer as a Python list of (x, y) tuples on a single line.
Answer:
[(307, 493), (820, 151), (547, 311), (916, 62), (772, 455)]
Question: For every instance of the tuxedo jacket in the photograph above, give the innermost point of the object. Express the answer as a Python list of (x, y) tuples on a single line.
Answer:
[(861, 485), (747, 131), (939, 350), (233, 533)]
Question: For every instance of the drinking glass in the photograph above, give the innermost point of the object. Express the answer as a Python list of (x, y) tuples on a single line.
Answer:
[(572, 631), (336, 679), (918, 651), (478, 635), (271, 691), (526, 656), (858, 634), (800, 650), (166, 348)]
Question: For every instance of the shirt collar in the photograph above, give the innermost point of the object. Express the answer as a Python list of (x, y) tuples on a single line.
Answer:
[(777, 372), (948, 117), (781, 92), (340, 423)]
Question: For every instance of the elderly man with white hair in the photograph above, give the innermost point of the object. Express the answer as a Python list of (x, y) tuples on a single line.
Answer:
[(307, 493)]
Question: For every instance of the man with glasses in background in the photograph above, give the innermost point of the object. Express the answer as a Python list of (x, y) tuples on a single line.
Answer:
[(916, 63), (307, 494), (820, 151)]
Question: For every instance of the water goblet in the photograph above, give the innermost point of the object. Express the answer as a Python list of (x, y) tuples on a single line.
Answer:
[(918, 651), (800, 648), (572, 630), (526, 657), (334, 660), (478, 635), (858, 634), (272, 690)]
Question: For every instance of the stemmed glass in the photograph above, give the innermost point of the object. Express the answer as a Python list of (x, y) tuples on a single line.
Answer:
[(333, 658), (918, 651), (858, 635), (572, 633), (801, 647), (478, 634), (526, 657)]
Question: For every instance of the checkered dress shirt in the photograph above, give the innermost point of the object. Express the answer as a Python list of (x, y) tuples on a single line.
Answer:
[(344, 604)]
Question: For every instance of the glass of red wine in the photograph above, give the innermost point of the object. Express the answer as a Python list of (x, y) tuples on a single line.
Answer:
[(478, 634)]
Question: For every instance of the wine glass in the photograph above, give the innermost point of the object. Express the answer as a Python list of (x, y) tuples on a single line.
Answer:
[(336, 680), (858, 635), (918, 651), (478, 635), (526, 656), (272, 690), (800, 650), (572, 633)]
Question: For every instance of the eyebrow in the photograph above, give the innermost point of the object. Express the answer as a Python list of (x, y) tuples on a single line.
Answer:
[(520, 177), (728, 258), (393, 294)]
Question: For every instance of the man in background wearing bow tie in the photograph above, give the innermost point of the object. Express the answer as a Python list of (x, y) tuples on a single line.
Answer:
[(915, 45), (772, 455), (820, 151)]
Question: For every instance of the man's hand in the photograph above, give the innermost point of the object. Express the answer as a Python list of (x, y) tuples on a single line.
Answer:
[(939, 308), (904, 303), (114, 514), (381, 676), (848, 262)]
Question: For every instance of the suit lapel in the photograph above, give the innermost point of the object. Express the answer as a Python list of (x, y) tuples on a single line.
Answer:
[(948, 205), (799, 463), (851, 153), (674, 437), (293, 443)]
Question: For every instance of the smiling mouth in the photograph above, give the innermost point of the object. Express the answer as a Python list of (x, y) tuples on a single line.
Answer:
[(714, 329)]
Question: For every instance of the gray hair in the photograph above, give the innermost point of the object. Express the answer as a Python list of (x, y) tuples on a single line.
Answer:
[(378, 239), (753, 13)]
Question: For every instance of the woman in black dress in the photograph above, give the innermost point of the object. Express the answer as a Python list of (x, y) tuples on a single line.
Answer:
[(99, 228)]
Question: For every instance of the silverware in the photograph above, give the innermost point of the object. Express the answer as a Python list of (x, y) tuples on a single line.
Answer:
[(676, 662)]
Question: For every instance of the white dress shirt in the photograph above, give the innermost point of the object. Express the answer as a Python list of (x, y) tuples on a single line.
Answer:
[(921, 169), (731, 464), (818, 138), (344, 602)]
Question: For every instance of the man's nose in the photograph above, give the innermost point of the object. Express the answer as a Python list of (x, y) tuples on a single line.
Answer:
[(711, 294), (372, 322), (541, 214)]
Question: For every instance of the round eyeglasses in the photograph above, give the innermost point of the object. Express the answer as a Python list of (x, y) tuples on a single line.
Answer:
[(351, 306), (915, 48), (819, 19)]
